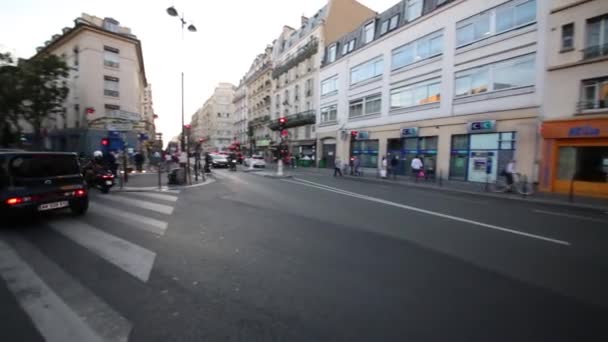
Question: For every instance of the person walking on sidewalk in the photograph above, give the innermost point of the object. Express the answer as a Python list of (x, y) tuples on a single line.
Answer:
[(338, 168), (383, 168), (394, 166), (356, 165), (416, 167)]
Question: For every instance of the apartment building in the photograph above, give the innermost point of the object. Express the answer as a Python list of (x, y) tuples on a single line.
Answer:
[(297, 55), (214, 122), (241, 119), (146, 125), (458, 83), (259, 90), (575, 128), (107, 82)]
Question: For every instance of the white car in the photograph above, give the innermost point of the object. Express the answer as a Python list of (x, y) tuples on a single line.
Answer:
[(256, 161)]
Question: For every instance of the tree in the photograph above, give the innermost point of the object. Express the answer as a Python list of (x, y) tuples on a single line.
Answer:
[(31, 91)]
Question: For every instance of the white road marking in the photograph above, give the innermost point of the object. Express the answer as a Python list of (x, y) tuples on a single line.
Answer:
[(140, 222), (576, 217), (424, 211), (163, 189), (106, 323), (130, 257), (158, 196), (55, 321), (160, 208)]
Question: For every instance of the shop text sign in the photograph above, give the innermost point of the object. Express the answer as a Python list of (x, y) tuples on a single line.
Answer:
[(584, 131), (482, 126), (362, 135), (409, 132)]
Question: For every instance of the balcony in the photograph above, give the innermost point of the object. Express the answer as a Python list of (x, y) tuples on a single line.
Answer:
[(302, 54), (308, 117), (595, 51), (259, 121), (584, 106)]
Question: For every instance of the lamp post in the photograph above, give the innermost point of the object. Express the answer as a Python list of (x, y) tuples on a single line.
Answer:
[(174, 13)]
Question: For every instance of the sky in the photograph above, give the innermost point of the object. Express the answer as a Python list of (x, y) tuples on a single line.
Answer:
[(231, 33)]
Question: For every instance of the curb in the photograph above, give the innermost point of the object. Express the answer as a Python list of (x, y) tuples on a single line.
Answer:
[(485, 194), (278, 177)]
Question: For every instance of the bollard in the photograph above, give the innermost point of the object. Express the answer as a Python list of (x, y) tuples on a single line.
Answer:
[(160, 170)]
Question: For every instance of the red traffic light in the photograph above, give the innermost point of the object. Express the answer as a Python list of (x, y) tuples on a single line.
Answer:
[(90, 110), (187, 126), (282, 120), (105, 142)]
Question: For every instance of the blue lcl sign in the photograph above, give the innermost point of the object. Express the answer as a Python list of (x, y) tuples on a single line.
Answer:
[(482, 126), (409, 132)]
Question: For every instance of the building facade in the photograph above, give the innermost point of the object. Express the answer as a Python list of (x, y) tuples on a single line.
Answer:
[(214, 122), (241, 119), (107, 82), (297, 56), (146, 125), (454, 82), (575, 128), (259, 90)]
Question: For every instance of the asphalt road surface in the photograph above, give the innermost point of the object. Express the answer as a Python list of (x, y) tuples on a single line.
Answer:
[(311, 258)]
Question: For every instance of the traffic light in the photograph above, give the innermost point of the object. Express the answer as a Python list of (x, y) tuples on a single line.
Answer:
[(282, 122), (354, 134), (105, 142)]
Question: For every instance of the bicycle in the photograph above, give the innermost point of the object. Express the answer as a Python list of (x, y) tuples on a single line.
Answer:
[(520, 185)]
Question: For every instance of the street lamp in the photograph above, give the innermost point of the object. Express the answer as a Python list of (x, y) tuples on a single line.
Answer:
[(174, 13)]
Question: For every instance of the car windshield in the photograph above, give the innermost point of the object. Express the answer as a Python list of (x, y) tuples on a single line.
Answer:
[(42, 165), (219, 157)]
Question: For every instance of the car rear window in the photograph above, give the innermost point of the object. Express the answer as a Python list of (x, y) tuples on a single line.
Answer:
[(42, 165)]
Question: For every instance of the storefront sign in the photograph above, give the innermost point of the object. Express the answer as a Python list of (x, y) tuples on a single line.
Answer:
[(262, 143), (584, 131), (122, 114), (122, 127), (409, 132), (362, 135), (482, 126)]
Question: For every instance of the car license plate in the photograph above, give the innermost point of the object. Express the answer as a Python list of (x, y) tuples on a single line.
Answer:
[(108, 182), (54, 205)]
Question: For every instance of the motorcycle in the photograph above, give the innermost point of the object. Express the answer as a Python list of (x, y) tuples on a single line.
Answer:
[(100, 179), (233, 164)]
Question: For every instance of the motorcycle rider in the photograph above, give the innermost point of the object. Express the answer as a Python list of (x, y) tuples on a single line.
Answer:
[(232, 161), (208, 162)]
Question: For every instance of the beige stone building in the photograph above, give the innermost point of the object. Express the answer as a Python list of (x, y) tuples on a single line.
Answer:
[(258, 82), (146, 124), (107, 83), (214, 122), (241, 119), (297, 56), (575, 110)]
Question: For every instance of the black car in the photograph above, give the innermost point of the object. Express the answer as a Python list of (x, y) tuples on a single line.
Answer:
[(32, 182)]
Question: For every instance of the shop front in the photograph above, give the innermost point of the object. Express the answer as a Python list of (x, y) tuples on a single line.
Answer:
[(482, 154), (575, 157), (411, 145), (366, 150)]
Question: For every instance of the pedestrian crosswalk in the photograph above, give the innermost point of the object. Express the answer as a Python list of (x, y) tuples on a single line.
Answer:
[(116, 231)]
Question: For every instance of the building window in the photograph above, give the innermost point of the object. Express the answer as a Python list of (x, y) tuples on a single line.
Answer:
[(331, 53), (512, 15), (110, 25), (594, 94), (76, 56), (414, 9), (278, 100), (77, 115), (366, 71), (110, 86), (111, 57), (309, 87), (585, 163), (329, 113), (329, 86), (384, 27), (348, 47), (416, 94), (393, 22), (597, 37), (568, 37), (512, 73), (369, 32), (296, 93), (366, 106), (423, 48), (307, 130), (219, 115)]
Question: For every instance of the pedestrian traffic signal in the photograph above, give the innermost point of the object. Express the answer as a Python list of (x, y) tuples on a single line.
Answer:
[(105, 142)]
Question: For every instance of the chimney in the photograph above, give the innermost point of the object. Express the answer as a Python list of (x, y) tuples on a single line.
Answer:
[(304, 21)]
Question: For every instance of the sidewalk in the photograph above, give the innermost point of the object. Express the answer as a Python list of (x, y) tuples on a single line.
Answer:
[(370, 176)]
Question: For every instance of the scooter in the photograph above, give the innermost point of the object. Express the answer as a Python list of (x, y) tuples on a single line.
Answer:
[(233, 165), (102, 180)]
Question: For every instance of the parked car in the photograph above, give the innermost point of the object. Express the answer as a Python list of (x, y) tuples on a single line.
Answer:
[(32, 182), (219, 161), (257, 161)]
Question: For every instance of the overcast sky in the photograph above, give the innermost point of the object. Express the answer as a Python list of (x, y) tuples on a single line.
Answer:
[(230, 34)]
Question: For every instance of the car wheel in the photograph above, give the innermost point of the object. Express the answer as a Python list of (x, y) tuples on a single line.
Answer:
[(79, 209)]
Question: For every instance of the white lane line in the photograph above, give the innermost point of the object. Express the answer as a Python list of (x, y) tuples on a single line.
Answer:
[(97, 315), (160, 208), (55, 321), (130, 257), (428, 212), (576, 217), (140, 222), (158, 196)]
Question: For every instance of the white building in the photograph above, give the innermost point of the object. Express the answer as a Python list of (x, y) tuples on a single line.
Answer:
[(241, 119), (214, 122), (457, 82)]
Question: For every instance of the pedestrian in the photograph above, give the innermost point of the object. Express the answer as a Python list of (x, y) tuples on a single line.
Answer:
[(338, 168), (139, 161), (417, 168), (394, 166), (509, 172), (357, 164), (383, 168)]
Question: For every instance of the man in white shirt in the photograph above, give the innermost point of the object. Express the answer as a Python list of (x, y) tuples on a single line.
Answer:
[(509, 172)]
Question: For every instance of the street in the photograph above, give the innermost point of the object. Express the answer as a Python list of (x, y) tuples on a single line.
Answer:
[(308, 258)]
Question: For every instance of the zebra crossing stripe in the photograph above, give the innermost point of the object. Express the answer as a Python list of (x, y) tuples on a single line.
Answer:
[(160, 208), (140, 222)]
